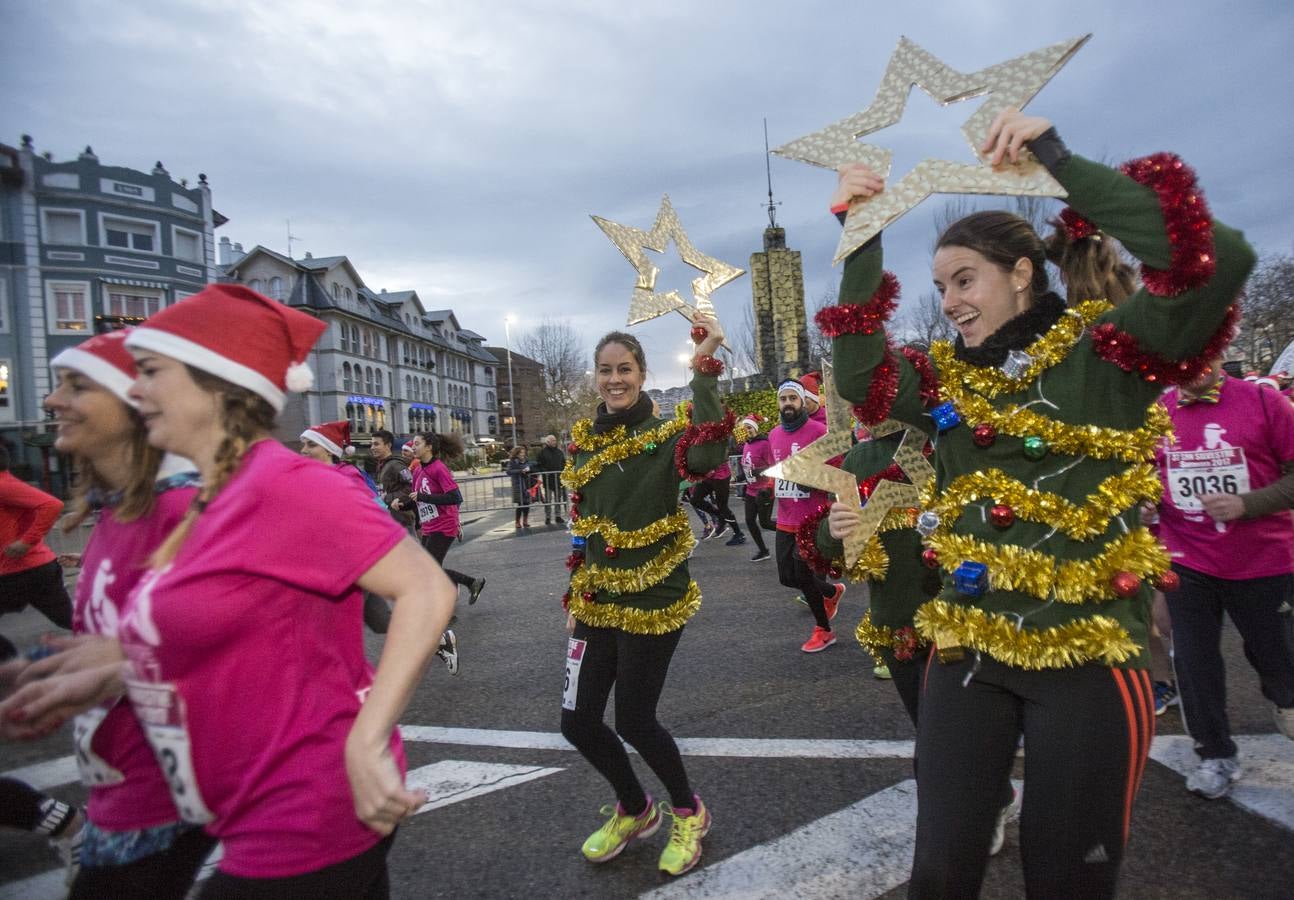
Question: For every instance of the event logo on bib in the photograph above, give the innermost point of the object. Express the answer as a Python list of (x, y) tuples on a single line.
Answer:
[(1216, 467)]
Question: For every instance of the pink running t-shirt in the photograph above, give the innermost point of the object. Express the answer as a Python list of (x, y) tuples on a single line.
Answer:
[(756, 456), (435, 478), (795, 503), (249, 667), (127, 790), (1233, 446)]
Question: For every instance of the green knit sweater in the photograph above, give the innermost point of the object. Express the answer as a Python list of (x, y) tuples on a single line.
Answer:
[(1060, 588), (633, 574)]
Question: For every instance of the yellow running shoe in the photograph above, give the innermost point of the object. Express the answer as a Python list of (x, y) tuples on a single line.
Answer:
[(684, 848), (607, 842)]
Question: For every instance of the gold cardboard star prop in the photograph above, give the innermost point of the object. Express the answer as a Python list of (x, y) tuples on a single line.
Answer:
[(1010, 83), (646, 303)]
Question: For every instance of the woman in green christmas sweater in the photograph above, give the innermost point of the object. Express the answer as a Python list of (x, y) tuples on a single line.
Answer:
[(1044, 422), (630, 591)]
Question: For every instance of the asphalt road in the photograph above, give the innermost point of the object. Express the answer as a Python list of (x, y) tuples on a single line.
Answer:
[(810, 790)]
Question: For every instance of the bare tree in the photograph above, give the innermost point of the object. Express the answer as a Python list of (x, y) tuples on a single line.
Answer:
[(568, 391), (926, 323), (1268, 309), (819, 343), (742, 340)]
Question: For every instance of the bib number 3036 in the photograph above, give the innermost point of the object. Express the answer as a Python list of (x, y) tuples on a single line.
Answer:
[(574, 659)]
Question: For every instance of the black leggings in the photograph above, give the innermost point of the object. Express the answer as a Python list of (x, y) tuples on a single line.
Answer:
[(362, 877), (40, 587), (437, 544), (1086, 732), (794, 572), (757, 519), (25, 808), (636, 665), (1254, 605), (720, 489), (166, 875)]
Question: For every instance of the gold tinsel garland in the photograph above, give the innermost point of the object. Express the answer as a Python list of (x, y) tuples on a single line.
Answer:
[(1096, 638), (1046, 352), (593, 577), (631, 540), (1081, 522), (638, 621), (613, 447), (873, 563), (1013, 568), (1088, 440), (875, 638)]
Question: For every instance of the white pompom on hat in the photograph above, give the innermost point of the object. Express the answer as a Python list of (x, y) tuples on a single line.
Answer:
[(332, 436), (234, 333), (103, 359)]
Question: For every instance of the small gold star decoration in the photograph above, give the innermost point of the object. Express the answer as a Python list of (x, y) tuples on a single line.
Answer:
[(1010, 83), (809, 467), (646, 303)]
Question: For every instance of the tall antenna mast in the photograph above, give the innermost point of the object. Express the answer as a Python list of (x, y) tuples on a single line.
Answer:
[(768, 168), (292, 237)]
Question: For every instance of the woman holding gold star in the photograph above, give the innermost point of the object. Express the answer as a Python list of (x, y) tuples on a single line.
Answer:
[(1042, 427), (630, 592)]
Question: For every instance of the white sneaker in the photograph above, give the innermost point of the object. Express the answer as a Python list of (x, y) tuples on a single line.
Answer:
[(1004, 815), (448, 651), (68, 847), (1284, 719), (1213, 778)]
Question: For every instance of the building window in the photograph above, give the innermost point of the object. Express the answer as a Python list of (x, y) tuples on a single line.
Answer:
[(488, 371), (276, 289), (408, 387), (489, 399), (4, 306), (368, 379), (336, 291), (133, 302), (69, 306), (62, 226), (379, 382), (368, 342), (257, 285), (6, 392), (186, 244), (346, 384), (129, 234)]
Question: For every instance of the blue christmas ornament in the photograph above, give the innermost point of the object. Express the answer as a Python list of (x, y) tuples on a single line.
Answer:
[(946, 417), (578, 542), (971, 578)]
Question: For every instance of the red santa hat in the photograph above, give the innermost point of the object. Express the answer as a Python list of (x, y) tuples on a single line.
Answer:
[(234, 333), (407, 445), (105, 360), (332, 436), (810, 382), (752, 421)]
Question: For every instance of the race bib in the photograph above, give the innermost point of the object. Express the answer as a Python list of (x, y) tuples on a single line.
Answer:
[(789, 490), (95, 771), (160, 709), (1195, 472), (427, 511), (574, 659)]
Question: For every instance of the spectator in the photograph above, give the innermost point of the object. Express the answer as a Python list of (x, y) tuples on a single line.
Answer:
[(551, 463), (519, 469)]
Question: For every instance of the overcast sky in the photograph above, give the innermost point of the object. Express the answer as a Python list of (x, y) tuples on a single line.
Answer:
[(458, 148)]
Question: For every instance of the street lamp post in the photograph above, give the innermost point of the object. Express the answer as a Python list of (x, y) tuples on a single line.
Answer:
[(512, 397)]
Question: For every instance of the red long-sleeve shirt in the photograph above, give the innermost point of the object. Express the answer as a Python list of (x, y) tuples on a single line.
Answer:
[(27, 515)]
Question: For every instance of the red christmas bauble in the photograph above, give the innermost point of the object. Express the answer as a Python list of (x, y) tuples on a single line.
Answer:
[(588, 596), (572, 448), (1169, 582), (698, 334), (930, 557), (1001, 515), (1125, 584), (576, 497), (984, 435), (610, 551)]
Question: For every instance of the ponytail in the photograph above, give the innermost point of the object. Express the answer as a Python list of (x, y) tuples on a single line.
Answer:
[(1090, 265)]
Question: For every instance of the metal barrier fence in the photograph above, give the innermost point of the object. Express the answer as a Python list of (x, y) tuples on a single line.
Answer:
[(484, 493)]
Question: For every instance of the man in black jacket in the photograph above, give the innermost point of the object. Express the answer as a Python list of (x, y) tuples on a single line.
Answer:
[(394, 477), (551, 462)]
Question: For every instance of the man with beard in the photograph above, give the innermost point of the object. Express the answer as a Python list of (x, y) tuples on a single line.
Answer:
[(794, 504)]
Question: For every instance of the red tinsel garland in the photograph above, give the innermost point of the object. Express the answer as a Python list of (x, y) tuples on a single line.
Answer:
[(1186, 219), (1075, 226), (708, 365), (704, 433), (929, 378), (806, 542), (1124, 350), (861, 318), (875, 408)]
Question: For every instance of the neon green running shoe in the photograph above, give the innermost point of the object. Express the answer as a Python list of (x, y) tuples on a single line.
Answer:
[(882, 673), (606, 843), (684, 848)]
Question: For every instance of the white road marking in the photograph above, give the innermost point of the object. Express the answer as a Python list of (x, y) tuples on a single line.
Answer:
[(38, 887), (861, 852), (453, 780), (47, 774), (1267, 786)]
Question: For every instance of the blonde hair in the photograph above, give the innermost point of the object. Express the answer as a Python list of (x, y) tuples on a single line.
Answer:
[(245, 417), (139, 493)]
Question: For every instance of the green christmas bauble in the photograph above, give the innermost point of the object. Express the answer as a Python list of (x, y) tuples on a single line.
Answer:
[(650, 446), (1035, 448)]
